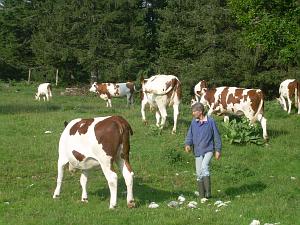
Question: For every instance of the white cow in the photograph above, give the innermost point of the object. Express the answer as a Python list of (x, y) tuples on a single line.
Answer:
[(287, 90), (45, 91), (236, 101), (108, 90), (94, 143), (160, 91)]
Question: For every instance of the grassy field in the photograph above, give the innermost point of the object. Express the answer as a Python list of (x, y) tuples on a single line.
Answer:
[(261, 182)]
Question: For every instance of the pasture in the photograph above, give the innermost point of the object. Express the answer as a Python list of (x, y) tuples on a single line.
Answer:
[(261, 182)]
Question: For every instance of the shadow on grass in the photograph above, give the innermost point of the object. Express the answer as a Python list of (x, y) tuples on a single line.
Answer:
[(18, 108), (245, 188), (276, 133), (143, 194)]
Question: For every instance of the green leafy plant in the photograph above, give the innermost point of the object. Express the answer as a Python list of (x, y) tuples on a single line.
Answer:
[(154, 130), (241, 132), (173, 156)]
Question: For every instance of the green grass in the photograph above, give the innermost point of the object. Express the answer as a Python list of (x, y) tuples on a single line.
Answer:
[(256, 179)]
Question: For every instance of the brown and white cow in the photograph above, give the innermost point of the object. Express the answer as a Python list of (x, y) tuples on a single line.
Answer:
[(161, 91), (236, 101), (108, 90), (287, 90), (45, 91), (95, 143)]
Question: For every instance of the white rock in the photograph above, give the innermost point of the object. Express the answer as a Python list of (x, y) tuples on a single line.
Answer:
[(293, 178), (255, 222), (192, 205), (181, 198), (221, 204), (203, 200), (218, 202), (153, 205), (173, 204), (48, 132), (196, 193), (218, 190)]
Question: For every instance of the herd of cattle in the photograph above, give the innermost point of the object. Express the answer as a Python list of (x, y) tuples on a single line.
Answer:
[(103, 141)]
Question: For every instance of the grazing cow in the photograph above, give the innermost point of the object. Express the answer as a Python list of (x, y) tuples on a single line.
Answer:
[(237, 101), (287, 90), (160, 91), (95, 143), (197, 91), (108, 90), (45, 91)]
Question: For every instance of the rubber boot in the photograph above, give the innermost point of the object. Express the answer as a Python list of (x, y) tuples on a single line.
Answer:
[(207, 186), (201, 189)]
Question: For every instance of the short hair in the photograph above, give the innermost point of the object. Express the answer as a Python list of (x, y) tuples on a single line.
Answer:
[(198, 107)]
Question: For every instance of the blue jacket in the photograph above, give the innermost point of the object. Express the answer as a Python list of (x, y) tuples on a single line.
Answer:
[(205, 137)]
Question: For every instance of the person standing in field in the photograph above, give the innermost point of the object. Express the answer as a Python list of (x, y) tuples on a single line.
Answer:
[(204, 136)]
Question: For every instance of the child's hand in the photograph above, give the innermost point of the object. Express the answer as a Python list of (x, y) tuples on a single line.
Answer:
[(187, 148)]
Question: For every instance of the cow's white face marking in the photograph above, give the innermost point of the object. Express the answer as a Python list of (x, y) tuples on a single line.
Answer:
[(93, 87)]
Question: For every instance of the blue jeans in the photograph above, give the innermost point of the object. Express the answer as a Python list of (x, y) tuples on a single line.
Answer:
[(202, 165)]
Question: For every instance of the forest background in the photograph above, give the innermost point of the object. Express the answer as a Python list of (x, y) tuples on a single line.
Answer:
[(246, 43)]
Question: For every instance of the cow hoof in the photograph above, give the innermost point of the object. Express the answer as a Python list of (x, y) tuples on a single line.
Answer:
[(55, 196), (173, 131), (112, 207), (145, 122), (84, 200), (131, 204)]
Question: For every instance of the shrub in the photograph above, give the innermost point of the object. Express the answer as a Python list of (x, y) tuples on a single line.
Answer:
[(241, 132)]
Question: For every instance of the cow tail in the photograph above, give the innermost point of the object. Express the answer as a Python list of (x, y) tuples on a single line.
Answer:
[(127, 131), (260, 109), (176, 87), (50, 89), (297, 95), (66, 123)]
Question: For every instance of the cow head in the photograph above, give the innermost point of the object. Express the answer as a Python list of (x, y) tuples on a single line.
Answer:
[(94, 87), (203, 87), (280, 102)]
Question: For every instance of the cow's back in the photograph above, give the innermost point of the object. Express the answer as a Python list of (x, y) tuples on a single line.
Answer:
[(79, 136)]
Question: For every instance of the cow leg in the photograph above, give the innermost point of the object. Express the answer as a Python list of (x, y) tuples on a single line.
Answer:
[(289, 104), (129, 100), (112, 180), (157, 116), (263, 122), (60, 173), (47, 97), (163, 113), (109, 103), (83, 182), (143, 105), (226, 119), (128, 177), (175, 116), (211, 109)]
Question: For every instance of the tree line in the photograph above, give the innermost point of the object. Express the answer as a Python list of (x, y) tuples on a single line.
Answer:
[(246, 43)]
